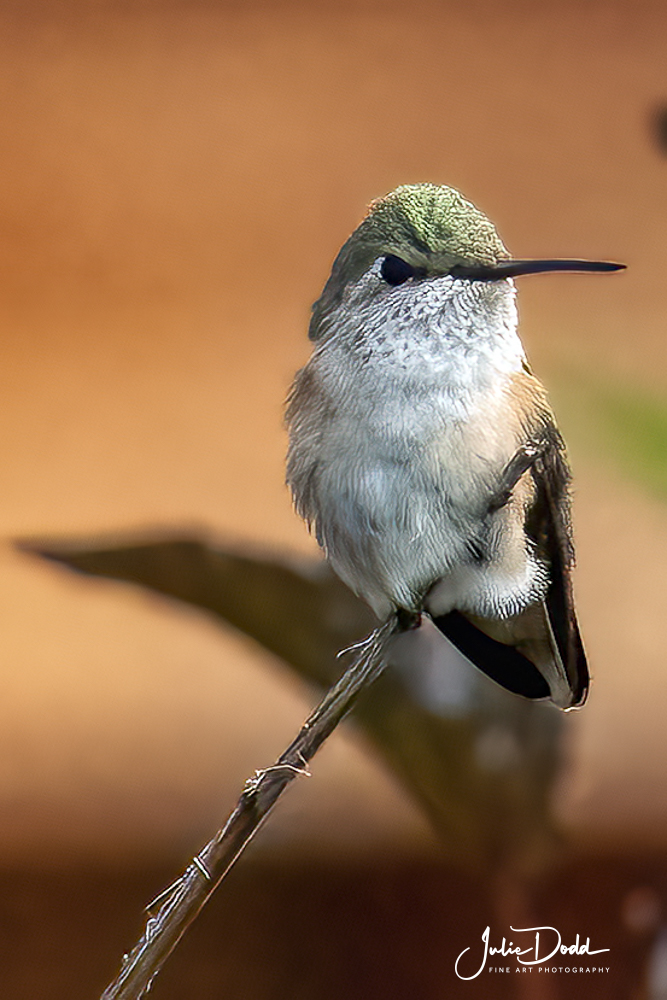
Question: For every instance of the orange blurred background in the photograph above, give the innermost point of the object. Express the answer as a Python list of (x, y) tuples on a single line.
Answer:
[(176, 181)]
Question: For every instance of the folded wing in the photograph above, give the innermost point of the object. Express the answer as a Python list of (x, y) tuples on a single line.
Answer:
[(538, 653)]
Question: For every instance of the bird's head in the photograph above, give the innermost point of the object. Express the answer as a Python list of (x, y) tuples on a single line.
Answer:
[(418, 234)]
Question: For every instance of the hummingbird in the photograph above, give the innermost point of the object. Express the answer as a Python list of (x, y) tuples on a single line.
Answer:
[(423, 451)]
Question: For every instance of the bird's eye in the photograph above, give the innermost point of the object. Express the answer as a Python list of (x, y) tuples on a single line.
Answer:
[(395, 271)]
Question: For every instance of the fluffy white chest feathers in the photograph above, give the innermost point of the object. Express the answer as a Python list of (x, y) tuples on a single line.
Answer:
[(400, 426), (424, 452)]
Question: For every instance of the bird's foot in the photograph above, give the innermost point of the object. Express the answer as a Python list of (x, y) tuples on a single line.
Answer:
[(408, 620)]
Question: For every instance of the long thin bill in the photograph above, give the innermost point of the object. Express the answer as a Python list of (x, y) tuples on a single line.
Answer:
[(514, 268)]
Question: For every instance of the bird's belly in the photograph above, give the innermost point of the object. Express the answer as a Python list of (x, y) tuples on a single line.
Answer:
[(388, 535), (397, 515), (410, 527)]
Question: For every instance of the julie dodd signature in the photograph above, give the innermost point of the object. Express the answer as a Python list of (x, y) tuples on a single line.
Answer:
[(547, 943)]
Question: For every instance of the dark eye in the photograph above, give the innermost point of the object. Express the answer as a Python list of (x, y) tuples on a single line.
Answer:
[(395, 271)]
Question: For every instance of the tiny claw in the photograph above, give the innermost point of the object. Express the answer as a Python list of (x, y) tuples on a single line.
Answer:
[(408, 620)]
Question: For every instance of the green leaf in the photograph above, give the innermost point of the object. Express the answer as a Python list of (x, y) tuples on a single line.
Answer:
[(627, 424)]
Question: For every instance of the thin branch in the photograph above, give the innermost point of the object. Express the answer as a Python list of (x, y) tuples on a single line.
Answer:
[(182, 901)]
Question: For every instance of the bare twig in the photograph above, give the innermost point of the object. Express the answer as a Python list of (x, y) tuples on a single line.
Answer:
[(178, 905)]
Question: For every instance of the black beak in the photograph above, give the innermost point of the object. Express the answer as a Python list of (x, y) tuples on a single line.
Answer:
[(513, 268)]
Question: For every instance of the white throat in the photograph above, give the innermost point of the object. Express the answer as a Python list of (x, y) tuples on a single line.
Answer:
[(438, 339)]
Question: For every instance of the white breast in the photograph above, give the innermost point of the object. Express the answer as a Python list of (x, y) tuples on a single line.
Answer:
[(395, 448)]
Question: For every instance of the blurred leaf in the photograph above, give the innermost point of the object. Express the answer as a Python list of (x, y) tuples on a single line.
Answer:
[(628, 423), (483, 775), (637, 426)]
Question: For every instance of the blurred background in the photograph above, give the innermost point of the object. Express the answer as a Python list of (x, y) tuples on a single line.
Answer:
[(177, 178)]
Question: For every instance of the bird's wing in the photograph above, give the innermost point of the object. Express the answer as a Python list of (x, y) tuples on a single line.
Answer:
[(539, 652), (548, 524)]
